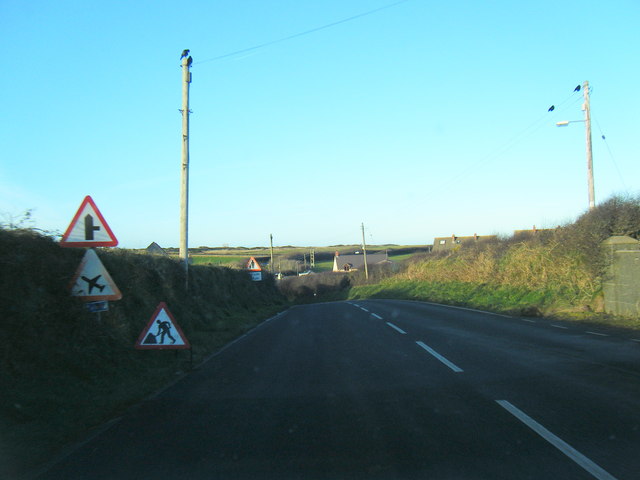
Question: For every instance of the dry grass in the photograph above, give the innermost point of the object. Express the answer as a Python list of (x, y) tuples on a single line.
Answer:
[(568, 260), (521, 265)]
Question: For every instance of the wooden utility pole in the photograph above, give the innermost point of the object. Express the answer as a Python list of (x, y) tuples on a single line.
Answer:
[(271, 263), (587, 123), (364, 250), (184, 190)]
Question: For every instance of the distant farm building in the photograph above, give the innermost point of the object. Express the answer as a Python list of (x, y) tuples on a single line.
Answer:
[(350, 263), (155, 249), (449, 243)]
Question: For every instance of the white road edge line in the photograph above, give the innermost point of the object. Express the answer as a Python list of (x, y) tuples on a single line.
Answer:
[(449, 364), (560, 326), (377, 316), (527, 320), (364, 309), (599, 334), (470, 309), (396, 328), (595, 470)]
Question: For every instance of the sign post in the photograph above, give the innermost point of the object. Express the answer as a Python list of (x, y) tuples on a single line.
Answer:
[(91, 282)]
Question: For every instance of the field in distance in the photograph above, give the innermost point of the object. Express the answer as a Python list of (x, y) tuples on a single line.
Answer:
[(236, 257)]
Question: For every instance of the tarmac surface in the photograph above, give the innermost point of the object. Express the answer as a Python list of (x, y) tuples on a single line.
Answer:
[(385, 389)]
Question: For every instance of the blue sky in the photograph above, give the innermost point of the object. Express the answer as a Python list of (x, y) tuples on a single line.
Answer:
[(421, 119)]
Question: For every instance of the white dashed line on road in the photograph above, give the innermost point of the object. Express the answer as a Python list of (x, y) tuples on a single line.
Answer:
[(560, 326), (599, 334), (594, 469), (449, 364), (398, 329), (377, 316)]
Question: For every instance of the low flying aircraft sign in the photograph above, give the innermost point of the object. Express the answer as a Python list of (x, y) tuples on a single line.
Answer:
[(88, 228), (92, 282)]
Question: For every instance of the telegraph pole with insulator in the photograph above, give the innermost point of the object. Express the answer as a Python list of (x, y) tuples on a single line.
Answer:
[(184, 190), (587, 123), (364, 251)]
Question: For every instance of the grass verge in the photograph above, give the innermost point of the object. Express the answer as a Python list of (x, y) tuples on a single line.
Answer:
[(64, 371), (500, 299)]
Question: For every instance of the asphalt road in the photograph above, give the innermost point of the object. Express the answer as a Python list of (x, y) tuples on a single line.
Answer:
[(387, 390)]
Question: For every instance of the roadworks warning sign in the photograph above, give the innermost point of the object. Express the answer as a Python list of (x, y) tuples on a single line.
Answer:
[(162, 332)]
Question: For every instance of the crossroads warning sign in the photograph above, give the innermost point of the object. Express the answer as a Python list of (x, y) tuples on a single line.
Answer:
[(88, 228), (162, 332), (92, 282)]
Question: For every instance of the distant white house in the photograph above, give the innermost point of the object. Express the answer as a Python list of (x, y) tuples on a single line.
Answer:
[(349, 263)]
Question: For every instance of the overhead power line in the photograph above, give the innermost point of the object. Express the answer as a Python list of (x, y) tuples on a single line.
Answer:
[(300, 34), (613, 160), (535, 126)]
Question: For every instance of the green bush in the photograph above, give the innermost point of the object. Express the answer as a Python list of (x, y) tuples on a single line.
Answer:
[(616, 216)]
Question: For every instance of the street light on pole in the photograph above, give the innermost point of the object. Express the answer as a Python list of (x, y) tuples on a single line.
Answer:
[(586, 107)]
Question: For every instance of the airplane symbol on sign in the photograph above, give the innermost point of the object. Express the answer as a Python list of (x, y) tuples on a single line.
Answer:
[(93, 282)]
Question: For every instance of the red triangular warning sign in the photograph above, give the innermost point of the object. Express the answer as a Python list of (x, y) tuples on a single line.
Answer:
[(88, 228), (162, 332), (253, 265), (92, 282)]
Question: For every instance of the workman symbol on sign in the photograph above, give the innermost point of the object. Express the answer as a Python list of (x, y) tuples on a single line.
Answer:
[(164, 328), (161, 325)]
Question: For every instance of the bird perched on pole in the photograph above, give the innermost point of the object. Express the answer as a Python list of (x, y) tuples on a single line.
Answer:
[(184, 53), (189, 61)]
